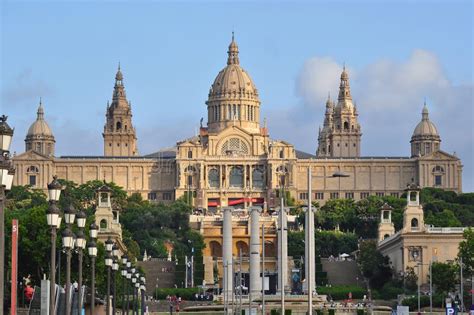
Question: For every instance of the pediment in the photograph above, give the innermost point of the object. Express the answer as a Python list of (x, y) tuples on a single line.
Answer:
[(438, 155), (32, 155)]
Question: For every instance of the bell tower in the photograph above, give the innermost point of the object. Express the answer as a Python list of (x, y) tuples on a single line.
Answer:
[(413, 219), (119, 134), (341, 134), (386, 227)]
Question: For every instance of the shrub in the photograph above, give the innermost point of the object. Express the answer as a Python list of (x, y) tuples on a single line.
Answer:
[(342, 292), (184, 293)]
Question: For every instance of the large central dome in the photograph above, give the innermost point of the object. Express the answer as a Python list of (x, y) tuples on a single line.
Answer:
[(233, 97)]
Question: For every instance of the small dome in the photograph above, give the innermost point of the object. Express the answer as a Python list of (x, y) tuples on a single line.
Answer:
[(40, 127), (425, 127)]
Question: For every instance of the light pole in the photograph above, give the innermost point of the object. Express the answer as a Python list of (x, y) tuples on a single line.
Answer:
[(115, 267), (53, 217), (108, 263), (142, 291), (309, 238), (92, 248), (6, 180), (133, 289), (68, 245), (129, 277), (80, 245), (124, 281)]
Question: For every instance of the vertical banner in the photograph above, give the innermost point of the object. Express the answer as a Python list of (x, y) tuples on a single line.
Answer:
[(14, 282)]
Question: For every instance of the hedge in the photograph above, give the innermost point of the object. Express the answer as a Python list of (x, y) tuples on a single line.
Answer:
[(342, 292), (184, 293)]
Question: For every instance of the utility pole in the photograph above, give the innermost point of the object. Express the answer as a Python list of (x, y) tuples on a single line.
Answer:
[(282, 277), (431, 287), (461, 288), (240, 280)]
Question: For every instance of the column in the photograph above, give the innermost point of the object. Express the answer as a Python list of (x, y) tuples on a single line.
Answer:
[(282, 248), (227, 249), (255, 283)]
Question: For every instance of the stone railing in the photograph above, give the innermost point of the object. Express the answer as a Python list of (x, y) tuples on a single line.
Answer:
[(445, 230)]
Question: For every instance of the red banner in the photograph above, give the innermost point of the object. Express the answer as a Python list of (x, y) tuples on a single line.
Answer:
[(14, 266)]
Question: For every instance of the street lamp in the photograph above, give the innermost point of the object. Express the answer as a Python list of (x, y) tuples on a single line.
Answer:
[(115, 267), (80, 245), (137, 286), (6, 180), (129, 276), (142, 291), (92, 248), (108, 264), (68, 245), (124, 280), (53, 218), (309, 238)]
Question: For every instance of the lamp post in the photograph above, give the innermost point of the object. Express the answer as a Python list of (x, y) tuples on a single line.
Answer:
[(142, 291), (80, 245), (309, 238), (92, 248), (134, 280), (6, 180), (129, 277), (53, 218), (137, 286), (68, 245), (108, 263), (124, 281), (115, 267)]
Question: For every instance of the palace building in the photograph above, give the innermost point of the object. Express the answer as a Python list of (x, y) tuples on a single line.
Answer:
[(233, 161)]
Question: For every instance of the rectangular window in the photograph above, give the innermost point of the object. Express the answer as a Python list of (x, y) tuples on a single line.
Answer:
[(349, 195), (32, 180), (334, 195), (319, 196), (152, 196), (303, 196), (438, 180), (395, 194), (364, 195), (167, 196), (380, 194)]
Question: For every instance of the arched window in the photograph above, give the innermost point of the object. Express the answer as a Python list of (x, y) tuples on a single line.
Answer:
[(414, 223), (258, 178), (237, 177), (32, 169), (190, 154), (242, 247), (103, 224), (118, 126), (386, 236), (234, 146), (216, 249), (282, 154), (270, 249), (346, 125), (213, 178)]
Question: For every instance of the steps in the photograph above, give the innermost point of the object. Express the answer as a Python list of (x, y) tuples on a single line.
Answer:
[(342, 272)]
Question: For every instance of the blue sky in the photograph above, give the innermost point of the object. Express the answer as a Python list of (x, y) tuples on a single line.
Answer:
[(398, 53)]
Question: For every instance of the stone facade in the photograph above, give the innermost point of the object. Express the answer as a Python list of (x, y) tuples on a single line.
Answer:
[(234, 162), (416, 245)]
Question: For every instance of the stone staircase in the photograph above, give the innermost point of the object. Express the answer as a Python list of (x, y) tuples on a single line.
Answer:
[(342, 272)]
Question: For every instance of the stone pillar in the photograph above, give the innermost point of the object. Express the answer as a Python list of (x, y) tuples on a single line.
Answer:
[(282, 248), (255, 283), (227, 249)]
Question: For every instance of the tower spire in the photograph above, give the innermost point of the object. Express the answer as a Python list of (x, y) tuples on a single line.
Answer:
[(344, 88), (233, 52), (40, 112)]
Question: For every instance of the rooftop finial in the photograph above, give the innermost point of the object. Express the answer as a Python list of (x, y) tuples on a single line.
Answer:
[(232, 35), (233, 52), (40, 112), (119, 66)]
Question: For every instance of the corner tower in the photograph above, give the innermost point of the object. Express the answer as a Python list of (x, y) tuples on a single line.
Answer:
[(40, 138), (119, 135), (233, 98), (341, 134)]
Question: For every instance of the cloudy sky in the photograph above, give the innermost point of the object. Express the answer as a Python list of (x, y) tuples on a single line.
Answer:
[(398, 54)]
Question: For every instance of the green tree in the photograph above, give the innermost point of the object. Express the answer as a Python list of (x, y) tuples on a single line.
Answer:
[(375, 267), (411, 279), (442, 219), (466, 251), (444, 277)]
